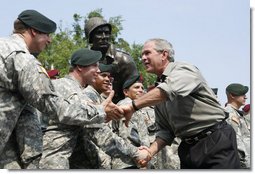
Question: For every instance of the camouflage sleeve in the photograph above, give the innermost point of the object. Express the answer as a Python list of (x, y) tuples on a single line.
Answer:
[(130, 133), (112, 144), (93, 95), (142, 129), (235, 122), (136, 133), (28, 135), (37, 89)]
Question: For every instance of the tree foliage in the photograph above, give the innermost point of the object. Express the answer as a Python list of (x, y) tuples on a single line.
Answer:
[(67, 40)]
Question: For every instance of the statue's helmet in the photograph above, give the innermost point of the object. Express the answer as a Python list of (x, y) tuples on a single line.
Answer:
[(94, 23)]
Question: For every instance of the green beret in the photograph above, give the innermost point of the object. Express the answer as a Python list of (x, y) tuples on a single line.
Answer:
[(129, 82), (237, 89), (106, 68), (37, 21), (85, 57)]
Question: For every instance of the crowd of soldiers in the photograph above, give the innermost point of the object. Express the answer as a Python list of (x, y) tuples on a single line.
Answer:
[(99, 116)]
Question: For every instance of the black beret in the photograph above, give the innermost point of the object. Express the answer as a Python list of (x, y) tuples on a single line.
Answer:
[(85, 57), (129, 82), (106, 68), (37, 21), (237, 89)]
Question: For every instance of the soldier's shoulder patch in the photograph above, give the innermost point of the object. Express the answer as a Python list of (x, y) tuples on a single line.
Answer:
[(42, 70), (235, 119)]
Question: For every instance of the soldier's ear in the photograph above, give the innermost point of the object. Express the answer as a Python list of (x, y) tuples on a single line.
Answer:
[(125, 92), (232, 96), (33, 31), (79, 67)]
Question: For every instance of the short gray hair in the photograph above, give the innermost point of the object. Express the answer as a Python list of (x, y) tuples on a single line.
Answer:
[(163, 45)]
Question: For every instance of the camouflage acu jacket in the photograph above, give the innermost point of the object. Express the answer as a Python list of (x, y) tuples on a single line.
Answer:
[(24, 80)]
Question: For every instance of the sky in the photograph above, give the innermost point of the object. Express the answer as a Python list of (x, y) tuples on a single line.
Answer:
[(213, 35)]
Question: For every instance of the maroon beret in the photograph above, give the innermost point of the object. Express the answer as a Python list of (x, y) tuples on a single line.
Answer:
[(246, 108), (53, 73)]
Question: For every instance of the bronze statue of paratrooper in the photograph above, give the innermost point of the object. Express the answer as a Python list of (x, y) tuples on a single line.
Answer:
[(98, 33)]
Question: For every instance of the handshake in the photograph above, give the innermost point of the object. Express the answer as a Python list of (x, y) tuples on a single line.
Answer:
[(143, 156)]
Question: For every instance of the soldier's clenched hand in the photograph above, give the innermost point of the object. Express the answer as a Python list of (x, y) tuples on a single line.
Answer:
[(113, 112)]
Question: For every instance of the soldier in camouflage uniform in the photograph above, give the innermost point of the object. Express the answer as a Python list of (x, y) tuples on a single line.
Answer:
[(59, 140), (236, 98), (23, 80), (99, 141), (15, 52), (168, 157), (137, 133), (98, 34)]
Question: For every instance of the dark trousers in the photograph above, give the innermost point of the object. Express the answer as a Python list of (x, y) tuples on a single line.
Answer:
[(215, 151)]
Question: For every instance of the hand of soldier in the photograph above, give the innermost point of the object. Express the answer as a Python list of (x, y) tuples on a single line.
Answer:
[(113, 112), (143, 158), (128, 112)]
